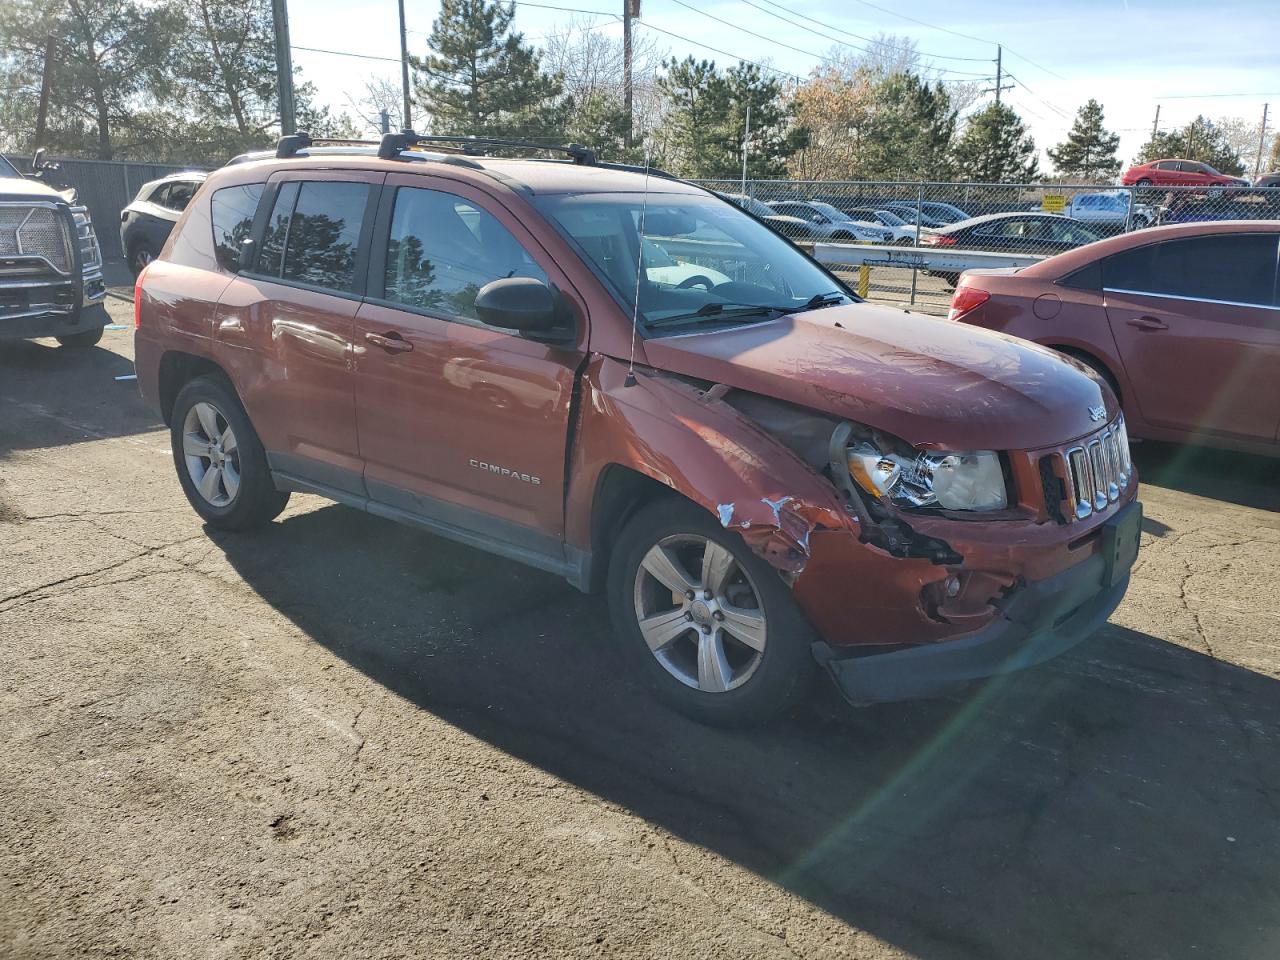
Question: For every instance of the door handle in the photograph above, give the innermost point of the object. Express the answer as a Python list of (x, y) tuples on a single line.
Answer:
[(391, 342), (1148, 323)]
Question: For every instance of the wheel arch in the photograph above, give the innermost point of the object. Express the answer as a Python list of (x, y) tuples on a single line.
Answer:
[(177, 369), (1092, 359)]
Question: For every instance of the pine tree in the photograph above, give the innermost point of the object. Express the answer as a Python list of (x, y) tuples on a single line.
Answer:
[(483, 80), (1089, 152), (708, 115), (996, 148), (909, 131)]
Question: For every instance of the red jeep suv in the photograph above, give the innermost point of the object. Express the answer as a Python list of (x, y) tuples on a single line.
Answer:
[(627, 381)]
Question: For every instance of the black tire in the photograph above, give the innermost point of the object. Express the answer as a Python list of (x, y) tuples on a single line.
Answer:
[(1144, 182), (256, 501), (141, 252), (85, 338), (785, 668), (841, 236)]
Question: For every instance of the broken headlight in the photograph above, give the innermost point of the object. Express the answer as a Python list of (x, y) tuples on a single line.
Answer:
[(946, 480)]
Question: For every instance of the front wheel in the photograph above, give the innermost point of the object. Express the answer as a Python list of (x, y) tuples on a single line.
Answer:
[(221, 463), (85, 338), (710, 625)]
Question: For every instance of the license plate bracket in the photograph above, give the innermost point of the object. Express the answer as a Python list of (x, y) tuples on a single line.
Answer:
[(1120, 538)]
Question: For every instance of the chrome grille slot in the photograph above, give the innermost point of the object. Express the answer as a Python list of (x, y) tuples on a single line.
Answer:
[(1098, 467), (1100, 470), (1081, 481)]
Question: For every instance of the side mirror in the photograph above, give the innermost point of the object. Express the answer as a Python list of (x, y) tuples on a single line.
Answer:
[(522, 304)]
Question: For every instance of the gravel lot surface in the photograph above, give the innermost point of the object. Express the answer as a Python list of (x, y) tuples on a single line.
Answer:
[(341, 738)]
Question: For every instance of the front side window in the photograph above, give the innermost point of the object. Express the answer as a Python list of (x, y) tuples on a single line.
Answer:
[(1236, 268), (700, 260), (232, 210), (313, 233), (443, 249)]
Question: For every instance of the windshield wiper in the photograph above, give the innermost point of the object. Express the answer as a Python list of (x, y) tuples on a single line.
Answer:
[(818, 301), (716, 310)]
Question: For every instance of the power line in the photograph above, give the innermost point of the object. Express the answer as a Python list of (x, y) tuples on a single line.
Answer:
[(1206, 96), (1064, 115), (723, 53), (847, 33), (345, 53)]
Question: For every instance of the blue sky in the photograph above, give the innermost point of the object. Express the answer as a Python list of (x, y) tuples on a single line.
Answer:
[(1219, 58)]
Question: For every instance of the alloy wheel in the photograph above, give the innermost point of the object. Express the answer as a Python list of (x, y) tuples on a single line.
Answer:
[(211, 454), (700, 613)]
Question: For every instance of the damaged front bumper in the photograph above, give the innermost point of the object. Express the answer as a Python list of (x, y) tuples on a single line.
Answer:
[(1035, 622)]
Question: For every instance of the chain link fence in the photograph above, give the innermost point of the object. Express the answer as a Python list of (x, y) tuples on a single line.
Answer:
[(1020, 220), (106, 187)]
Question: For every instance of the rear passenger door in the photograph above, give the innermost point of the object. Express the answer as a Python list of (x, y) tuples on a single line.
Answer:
[(1197, 325), (460, 423), (288, 319)]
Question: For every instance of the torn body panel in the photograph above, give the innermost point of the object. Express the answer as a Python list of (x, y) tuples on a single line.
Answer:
[(689, 439)]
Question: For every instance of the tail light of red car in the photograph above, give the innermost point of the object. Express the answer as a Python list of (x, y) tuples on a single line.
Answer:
[(137, 297), (938, 240), (965, 300)]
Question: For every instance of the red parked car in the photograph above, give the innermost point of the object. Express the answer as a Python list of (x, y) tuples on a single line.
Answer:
[(1182, 321), (1178, 173)]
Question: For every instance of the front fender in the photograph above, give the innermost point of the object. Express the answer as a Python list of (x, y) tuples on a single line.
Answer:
[(689, 440)]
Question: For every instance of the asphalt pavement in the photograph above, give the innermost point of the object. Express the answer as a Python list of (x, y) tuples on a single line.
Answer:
[(342, 738)]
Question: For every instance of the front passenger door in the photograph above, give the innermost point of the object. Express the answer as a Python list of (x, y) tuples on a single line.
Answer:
[(460, 422)]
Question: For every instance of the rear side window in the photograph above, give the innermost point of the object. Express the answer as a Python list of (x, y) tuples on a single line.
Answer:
[(1237, 268), (313, 233), (232, 211), (180, 194), (443, 249)]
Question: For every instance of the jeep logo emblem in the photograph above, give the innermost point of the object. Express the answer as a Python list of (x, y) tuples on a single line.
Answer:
[(1097, 413)]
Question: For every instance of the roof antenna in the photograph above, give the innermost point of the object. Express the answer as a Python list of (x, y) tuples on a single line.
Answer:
[(630, 381)]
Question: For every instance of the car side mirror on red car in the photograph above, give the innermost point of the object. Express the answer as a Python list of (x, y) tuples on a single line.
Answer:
[(523, 304)]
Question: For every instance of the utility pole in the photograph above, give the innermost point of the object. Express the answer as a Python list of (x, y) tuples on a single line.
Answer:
[(746, 145), (630, 8), (384, 122), (999, 71), (1262, 141), (46, 82), (404, 71), (284, 66), (1155, 124)]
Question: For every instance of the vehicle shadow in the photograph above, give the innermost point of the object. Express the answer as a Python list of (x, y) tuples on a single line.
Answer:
[(1120, 802), (1242, 478), (51, 396)]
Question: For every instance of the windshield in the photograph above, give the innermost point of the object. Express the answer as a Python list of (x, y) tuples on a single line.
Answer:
[(892, 219), (7, 169), (827, 210), (704, 260)]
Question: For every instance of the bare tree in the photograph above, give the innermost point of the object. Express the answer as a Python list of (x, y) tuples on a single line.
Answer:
[(589, 58), (380, 94)]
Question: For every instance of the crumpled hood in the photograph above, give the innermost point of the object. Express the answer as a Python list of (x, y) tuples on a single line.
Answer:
[(930, 381)]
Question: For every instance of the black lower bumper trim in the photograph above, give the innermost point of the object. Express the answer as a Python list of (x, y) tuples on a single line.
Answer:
[(1038, 622)]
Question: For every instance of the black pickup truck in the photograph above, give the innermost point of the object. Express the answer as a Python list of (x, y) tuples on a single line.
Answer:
[(51, 282)]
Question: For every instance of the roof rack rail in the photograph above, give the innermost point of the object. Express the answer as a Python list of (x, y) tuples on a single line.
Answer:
[(393, 143), (291, 145)]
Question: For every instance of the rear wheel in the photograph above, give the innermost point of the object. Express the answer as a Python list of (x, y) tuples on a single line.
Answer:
[(220, 460), (1144, 182), (709, 624), (141, 253)]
